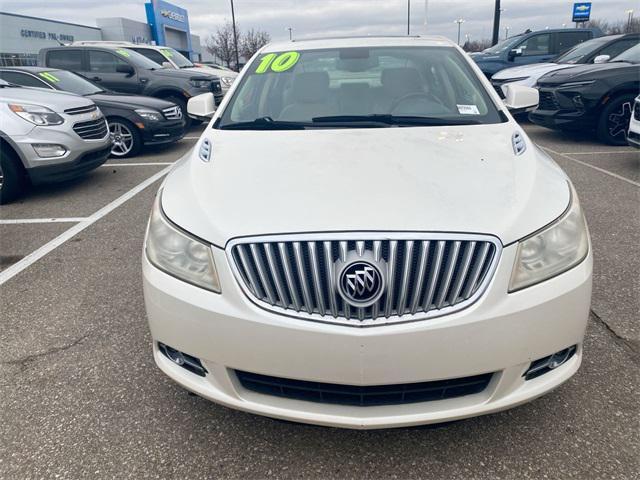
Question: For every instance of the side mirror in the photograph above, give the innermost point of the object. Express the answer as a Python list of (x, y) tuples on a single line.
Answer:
[(519, 98), (128, 69), (167, 65), (601, 59), (201, 107), (514, 52)]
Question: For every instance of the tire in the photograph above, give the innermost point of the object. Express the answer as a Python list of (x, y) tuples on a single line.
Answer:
[(181, 102), (12, 177), (127, 141), (613, 122)]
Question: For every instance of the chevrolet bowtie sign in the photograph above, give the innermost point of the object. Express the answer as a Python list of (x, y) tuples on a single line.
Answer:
[(581, 12), (178, 17)]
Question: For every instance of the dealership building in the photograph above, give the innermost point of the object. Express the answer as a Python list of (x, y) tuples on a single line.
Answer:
[(22, 37)]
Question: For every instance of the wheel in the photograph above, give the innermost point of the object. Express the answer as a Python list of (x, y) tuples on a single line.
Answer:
[(613, 122), (126, 138), (183, 106), (12, 177)]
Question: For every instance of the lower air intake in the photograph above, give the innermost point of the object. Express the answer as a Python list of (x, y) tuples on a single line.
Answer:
[(363, 396)]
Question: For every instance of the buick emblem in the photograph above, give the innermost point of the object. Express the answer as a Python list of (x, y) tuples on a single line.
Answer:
[(360, 283)]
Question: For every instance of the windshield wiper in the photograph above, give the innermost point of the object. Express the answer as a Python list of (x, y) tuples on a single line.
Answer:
[(265, 123), (395, 120)]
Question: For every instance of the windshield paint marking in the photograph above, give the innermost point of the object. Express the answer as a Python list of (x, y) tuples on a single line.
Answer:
[(278, 63), (49, 76), (265, 62), (123, 52), (285, 61)]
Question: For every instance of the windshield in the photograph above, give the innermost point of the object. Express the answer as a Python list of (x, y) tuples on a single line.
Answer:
[(69, 82), (581, 50), (359, 87), (632, 55), (501, 46), (176, 57)]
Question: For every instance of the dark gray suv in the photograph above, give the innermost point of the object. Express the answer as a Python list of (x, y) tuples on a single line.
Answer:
[(122, 70)]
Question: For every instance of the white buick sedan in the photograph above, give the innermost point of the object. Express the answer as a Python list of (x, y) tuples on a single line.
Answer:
[(363, 237)]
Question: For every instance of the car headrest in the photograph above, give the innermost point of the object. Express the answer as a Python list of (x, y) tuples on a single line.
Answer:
[(310, 87), (400, 81)]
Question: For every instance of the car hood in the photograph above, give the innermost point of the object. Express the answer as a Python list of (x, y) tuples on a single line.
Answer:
[(584, 72), (184, 73), (427, 179), (123, 100), (532, 70), (55, 100), (212, 71)]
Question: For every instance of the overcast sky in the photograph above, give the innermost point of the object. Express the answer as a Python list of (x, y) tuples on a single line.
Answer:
[(314, 18)]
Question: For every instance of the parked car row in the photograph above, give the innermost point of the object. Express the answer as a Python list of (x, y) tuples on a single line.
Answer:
[(590, 87), (89, 100)]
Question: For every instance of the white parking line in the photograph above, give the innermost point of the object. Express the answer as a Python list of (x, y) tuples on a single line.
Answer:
[(596, 153), (602, 170), (141, 164), (36, 255), (18, 221)]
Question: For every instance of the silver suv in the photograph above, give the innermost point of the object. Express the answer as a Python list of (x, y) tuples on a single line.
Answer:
[(47, 137)]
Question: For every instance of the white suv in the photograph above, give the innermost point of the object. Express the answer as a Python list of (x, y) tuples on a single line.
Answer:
[(364, 237)]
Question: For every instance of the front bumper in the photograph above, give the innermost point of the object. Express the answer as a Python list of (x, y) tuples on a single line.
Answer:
[(561, 120), (68, 170), (500, 333), (64, 135), (159, 133)]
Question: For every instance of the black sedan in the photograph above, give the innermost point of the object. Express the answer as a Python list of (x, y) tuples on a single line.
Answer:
[(133, 120), (591, 97)]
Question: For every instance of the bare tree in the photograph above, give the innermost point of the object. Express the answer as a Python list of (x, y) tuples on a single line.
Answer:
[(252, 41), (221, 44), (617, 27)]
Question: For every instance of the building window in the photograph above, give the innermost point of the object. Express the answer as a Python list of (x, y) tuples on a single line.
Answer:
[(18, 59)]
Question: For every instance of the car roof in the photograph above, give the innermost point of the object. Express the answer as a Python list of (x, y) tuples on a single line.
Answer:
[(350, 42), (29, 69)]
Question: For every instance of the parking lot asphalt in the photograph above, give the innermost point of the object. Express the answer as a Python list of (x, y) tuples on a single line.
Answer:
[(80, 396)]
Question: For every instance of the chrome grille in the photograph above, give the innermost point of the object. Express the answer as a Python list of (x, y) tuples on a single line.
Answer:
[(91, 130), (80, 110), (172, 113), (427, 275)]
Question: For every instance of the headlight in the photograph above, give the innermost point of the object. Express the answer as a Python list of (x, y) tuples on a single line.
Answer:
[(179, 254), (148, 114), (36, 114), (553, 250), (200, 83), (227, 81)]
